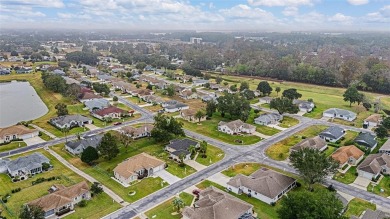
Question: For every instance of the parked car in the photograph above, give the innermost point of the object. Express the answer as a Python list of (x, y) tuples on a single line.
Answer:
[(117, 123)]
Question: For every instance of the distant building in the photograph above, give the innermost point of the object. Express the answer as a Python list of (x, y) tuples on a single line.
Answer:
[(109, 112), (385, 148), (77, 147), (304, 105), (340, 114), (196, 40), (181, 146), (348, 155), (374, 165), (367, 140), (268, 119), (70, 121), (24, 166), (372, 121), (142, 131)]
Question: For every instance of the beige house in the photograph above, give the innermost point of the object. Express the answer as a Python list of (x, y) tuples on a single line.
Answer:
[(17, 132), (236, 127), (216, 204), (142, 131), (137, 167), (348, 155), (188, 94), (189, 115), (374, 165), (314, 143), (372, 121)]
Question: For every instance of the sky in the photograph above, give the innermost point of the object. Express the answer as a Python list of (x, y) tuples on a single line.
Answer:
[(201, 15)]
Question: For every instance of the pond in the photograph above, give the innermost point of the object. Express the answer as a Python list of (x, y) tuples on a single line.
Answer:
[(19, 102)]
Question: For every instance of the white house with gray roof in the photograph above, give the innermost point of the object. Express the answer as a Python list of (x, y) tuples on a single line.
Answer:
[(304, 105), (175, 107), (385, 148), (27, 165), (268, 119), (181, 146), (264, 184), (367, 140), (77, 147), (339, 114), (236, 127), (332, 134), (374, 165), (70, 121), (97, 104)]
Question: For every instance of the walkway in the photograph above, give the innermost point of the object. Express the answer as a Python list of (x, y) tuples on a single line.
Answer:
[(220, 179), (44, 131), (109, 192)]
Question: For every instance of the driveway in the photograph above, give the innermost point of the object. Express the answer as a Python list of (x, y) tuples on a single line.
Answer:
[(35, 140), (220, 179), (91, 126), (167, 177), (276, 127), (361, 183), (261, 135), (197, 166)]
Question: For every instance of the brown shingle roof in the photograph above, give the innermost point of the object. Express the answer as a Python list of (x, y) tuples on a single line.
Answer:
[(344, 153), (140, 161), (373, 162), (139, 130), (188, 112), (15, 130), (108, 110), (315, 143), (89, 95), (216, 204), (374, 118)]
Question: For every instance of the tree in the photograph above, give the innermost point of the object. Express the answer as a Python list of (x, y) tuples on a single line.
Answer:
[(72, 91), (14, 53), (171, 90), (181, 158), (233, 88), (101, 88), (283, 105), (225, 83), (125, 139), (381, 132), (386, 122), (108, 147), (235, 105), (56, 51), (96, 188), (149, 87), (62, 109), (277, 90), (199, 115), (166, 128), (89, 155), (291, 94), (248, 94), (360, 98), (351, 95), (65, 131), (203, 149), (115, 99), (244, 85), (140, 65), (218, 79), (178, 204), (192, 149), (264, 88), (321, 204), (211, 107), (367, 105), (313, 166), (31, 212)]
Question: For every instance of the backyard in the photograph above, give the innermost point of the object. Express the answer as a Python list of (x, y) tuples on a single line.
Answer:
[(166, 210)]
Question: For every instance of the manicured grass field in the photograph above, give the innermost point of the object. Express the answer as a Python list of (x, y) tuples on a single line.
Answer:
[(347, 177), (356, 207), (136, 100), (103, 170), (12, 145), (241, 168), (165, 209), (280, 150), (384, 184), (288, 122), (44, 136), (266, 130), (214, 154)]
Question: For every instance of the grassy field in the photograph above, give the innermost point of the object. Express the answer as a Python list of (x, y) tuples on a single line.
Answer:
[(241, 168), (330, 150), (356, 207), (166, 210), (288, 122), (383, 185), (12, 145), (347, 177), (103, 171), (261, 128), (280, 150), (214, 154), (31, 192)]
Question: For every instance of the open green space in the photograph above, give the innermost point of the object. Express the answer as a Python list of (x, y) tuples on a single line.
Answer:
[(347, 177), (280, 150), (103, 170), (166, 210), (214, 154), (241, 168), (288, 122), (12, 145), (261, 128), (356, 207), (136, 100), (44, 136)]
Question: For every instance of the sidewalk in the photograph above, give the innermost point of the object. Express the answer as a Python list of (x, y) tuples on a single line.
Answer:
[(109, 192), (44, 131)]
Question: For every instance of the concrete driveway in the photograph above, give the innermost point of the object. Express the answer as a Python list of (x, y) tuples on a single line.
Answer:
[(277, 127), (91, 126), (35, 140), (361, 183), (167, 177), (261, 135), (197, 166), (220, 179)]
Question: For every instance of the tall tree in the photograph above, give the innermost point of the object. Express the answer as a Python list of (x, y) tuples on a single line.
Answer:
[(31, 212), (283, 105), (351, 95), (171, 90), (89, 155), (62, 109), (65, 131), (349, 70), (218, 79), (381, 132), (199, 115), (277, 90), (108, 147), (313, 166), (386, 122), (244, 85), (211, 107), (321, 204), (264, 88), (166, 128), (96, 188), (72, 91), (291, 94), (203, 149), (125, 139)]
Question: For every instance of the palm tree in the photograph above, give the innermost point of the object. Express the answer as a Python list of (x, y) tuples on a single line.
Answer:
[(65, 131), (178, 204), (203, 149), (192, 149), (181, 157), (199, 115)]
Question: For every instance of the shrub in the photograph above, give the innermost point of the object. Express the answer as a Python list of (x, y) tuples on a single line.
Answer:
[(256, 111), (273, 203), (349, 142), (82, 203), (298, 184), (338, 141), (356, 174), (16, 190), (303, 137), (331, 188)]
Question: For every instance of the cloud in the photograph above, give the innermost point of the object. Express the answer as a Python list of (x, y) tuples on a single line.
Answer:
[(381, 16), (73, 16), (35, 3), (358, 2), (290, 11), (244, 11), (280, 2), (339, 17)]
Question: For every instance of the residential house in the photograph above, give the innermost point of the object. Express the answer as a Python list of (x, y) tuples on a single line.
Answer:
[(209, 97), (109, 112), (265, 99), (268, 119), (69, 80), (348, 155), (16, 132), (86, 96), (370, 214), (216, 204), (97, 104), (385, 148), (184, 78), (5, 71), (199, 82), (314, 143), (188, 94), (152, 99), (372, 121), (70, 121), (103, 78), (236, 127), (137, 167), (123, 86), (77, 147), (58, 72), (144, 92), (176, 107), (62, 199), (169, 103), (374, 165), (304, 105), (332, 134), (264, 184), (181, 146), (142, 131), (189, 115), (367, 140), (24, 166), (339, 114)]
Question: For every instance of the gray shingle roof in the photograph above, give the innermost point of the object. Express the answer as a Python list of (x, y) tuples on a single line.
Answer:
[(62, 120), (345, 113), (32, 161), (92, 141), (97, 103), (183, 144), (374, 162), (269, 118), (334, 132), (366, 139)]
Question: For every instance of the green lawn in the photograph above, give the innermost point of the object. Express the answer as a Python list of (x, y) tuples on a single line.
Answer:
[(288, 122), (103, 170), (356, 207), (136, 100), (12, 145), (241, 168), (214, 154), (329, 150), (166, 210), (348, 177), (280, 150), (44, 136), (266, 130), (383, 185)]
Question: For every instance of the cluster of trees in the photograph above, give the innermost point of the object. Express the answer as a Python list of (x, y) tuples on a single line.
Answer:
[(57, 84), (189, 70), (383, 130), (233, 104), (101, 88), (83, 57), (285, 104), (166, 128), (108, 149)]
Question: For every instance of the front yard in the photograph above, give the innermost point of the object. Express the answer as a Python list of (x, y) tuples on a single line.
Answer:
[(382, 189), (12, 145), (166, 210), (214, 154), (356, 207), (241, 168), (288, 122), (347, 177)]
